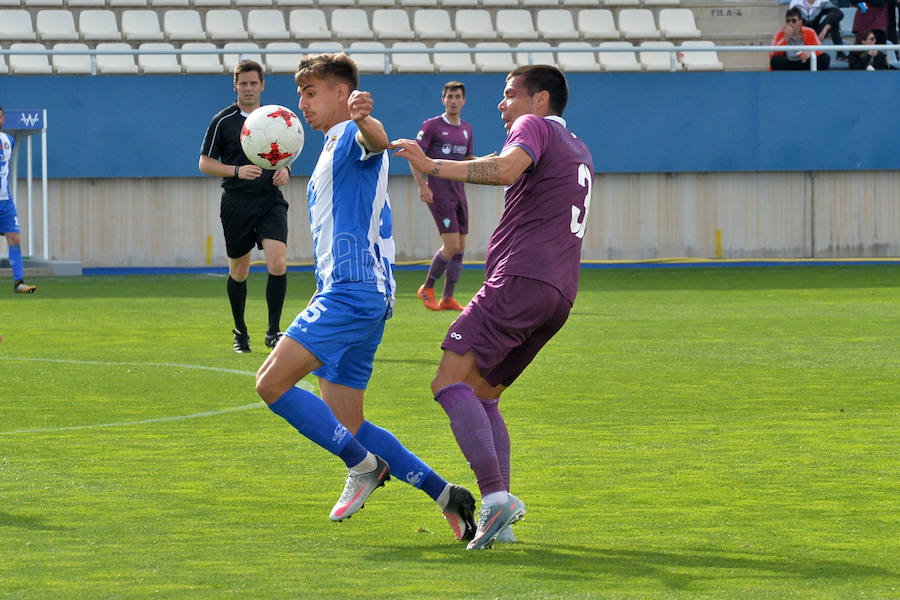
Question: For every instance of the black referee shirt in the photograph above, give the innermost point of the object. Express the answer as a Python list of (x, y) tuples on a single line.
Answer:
[(223, 142)]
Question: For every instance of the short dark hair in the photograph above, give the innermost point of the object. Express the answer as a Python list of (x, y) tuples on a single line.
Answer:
[(539, 78), (454, 85), (328, 66), (247, 65), (794, 12)]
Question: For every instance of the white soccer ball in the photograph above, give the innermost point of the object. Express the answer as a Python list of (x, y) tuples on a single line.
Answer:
[(272, 137)]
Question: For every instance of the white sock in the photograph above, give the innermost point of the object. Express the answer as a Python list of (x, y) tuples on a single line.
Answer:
[(494, 498), (444, 497), (367, 465)]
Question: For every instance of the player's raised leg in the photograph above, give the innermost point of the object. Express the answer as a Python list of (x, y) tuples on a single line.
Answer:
[(312, 417)]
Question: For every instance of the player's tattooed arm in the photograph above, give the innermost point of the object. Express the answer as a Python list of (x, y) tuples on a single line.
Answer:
[(485, 171), (436, 170)]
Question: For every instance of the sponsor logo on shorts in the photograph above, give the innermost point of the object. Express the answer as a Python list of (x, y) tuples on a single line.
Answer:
[(455, 336), (446, 222)]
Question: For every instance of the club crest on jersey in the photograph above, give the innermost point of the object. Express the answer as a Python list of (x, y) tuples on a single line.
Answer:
[(420, 135), (329, 145), (465, 133)]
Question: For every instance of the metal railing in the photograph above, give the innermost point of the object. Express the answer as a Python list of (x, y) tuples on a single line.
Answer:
[(675, 52)]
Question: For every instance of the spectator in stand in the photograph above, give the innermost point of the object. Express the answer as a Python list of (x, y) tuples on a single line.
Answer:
[(871, 60), (795, 34), (871, 15), (824, 17)]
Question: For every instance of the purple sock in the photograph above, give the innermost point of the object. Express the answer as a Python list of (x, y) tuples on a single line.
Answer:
[(453, 271), (472, 430), (501, 435), (438, 266)]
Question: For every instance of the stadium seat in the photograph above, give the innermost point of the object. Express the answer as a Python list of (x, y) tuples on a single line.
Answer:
[(308, 24), (597, 24), (580, 3), (29, 64), (392, 24), (242, 50), (418, 3), (411, 63), (662, 2), (8, 4), (433, 24), (225, 24), (42, 3), (556, 24), (658, 61), (255, 3), (499, 3), (460, 3), (474, 24), (847, 21), (3, 68), (200, 63), (494, 62), (637, 23), (141, 25), (56, 25), (98, 25), (283, 63), (115, 63), (158, 63), (544, 56), (370, 63), (620, 3), (335, 2), (324, 47), (577, 61), (86, 4), (127, 3), (16, 25), (211, 3), (376, 3), (350, 23), (700, 61), (71, 64), (267, 24), (183, 25), (618, 61), (678, 24), (165, 4), (309, 3), (515, 24), (452, 62), (538, 4)]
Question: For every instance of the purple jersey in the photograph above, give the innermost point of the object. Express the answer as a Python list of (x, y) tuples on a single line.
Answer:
[(545, 210), (439, 139)]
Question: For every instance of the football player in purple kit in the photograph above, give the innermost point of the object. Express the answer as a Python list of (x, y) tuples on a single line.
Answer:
[(446, 136), (531, 276)]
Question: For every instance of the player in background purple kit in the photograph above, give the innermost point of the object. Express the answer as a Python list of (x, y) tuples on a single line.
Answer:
[(531, 276), (446, 136)]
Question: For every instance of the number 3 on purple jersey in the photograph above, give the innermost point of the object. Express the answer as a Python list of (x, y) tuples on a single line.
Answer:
[(584, 180)]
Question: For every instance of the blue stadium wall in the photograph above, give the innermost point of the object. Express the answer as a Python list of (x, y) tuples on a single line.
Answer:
[(152, 126)]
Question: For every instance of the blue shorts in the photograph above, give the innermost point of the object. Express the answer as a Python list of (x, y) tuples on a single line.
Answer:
[(9, 220), (342, 328)]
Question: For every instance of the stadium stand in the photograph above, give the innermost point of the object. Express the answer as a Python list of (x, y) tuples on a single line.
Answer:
[(243, 50), (452, 62), (282, 63), (369, 63), (28, 64), (200, 63), (158, 63), (700, 61), (433, 24), (577, 61), (127, 3), (411, 63), (350, 24), (141, 25), (677, 23), (515, 24), (225, 24), (86, 3), (597, 24), (556, 24), (637, 23), (308, 24), (474, 24), (16, 25), (56, 25), (98, 25), (183, 25), (71, 64), (535, 58), (658, 61), (392, 24), (267, 24), (619, 61), (115, 63), (494, 62)]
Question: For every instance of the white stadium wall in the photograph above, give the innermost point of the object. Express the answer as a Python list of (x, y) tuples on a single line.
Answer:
[(147, 222)]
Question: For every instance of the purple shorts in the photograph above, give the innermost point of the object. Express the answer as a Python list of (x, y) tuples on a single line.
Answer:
[(450, 216), (505, 325)]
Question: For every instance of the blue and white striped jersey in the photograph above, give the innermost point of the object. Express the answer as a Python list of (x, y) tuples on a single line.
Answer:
[(350, 215), (6, 146)]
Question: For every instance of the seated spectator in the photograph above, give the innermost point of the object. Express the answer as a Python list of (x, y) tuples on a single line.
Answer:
[(871, 60), (795, 34), (824, 17), (874, 18)]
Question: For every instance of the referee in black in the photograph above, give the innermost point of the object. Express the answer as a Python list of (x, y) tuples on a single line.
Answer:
[(253, 210)]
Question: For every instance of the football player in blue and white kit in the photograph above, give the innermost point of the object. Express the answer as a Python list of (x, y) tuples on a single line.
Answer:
[(337, 334), (9, 219)]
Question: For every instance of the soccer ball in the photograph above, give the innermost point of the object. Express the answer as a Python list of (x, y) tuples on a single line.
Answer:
[(272, 137)]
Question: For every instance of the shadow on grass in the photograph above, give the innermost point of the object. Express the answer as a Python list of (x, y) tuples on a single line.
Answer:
[(26, 522), (675, 570)]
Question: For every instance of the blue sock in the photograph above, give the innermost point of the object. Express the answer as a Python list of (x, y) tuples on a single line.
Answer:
[(313, 418), (404, 464), (15, 261)]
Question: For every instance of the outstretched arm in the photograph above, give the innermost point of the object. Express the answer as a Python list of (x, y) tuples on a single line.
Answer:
[(492, 170), (371, 132)]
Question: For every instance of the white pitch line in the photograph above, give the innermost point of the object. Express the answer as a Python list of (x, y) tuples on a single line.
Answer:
[(211, 413)]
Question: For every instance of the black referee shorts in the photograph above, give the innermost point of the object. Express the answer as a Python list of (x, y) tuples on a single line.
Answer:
[(248, 220)]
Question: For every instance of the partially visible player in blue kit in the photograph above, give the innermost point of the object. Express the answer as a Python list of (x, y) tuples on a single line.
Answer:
[(9, 219)]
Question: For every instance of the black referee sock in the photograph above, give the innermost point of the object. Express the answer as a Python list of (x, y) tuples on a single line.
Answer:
[(237, 295), (276, 289)]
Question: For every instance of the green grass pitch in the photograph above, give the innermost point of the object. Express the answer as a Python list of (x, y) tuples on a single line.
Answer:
[(691, 433)]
